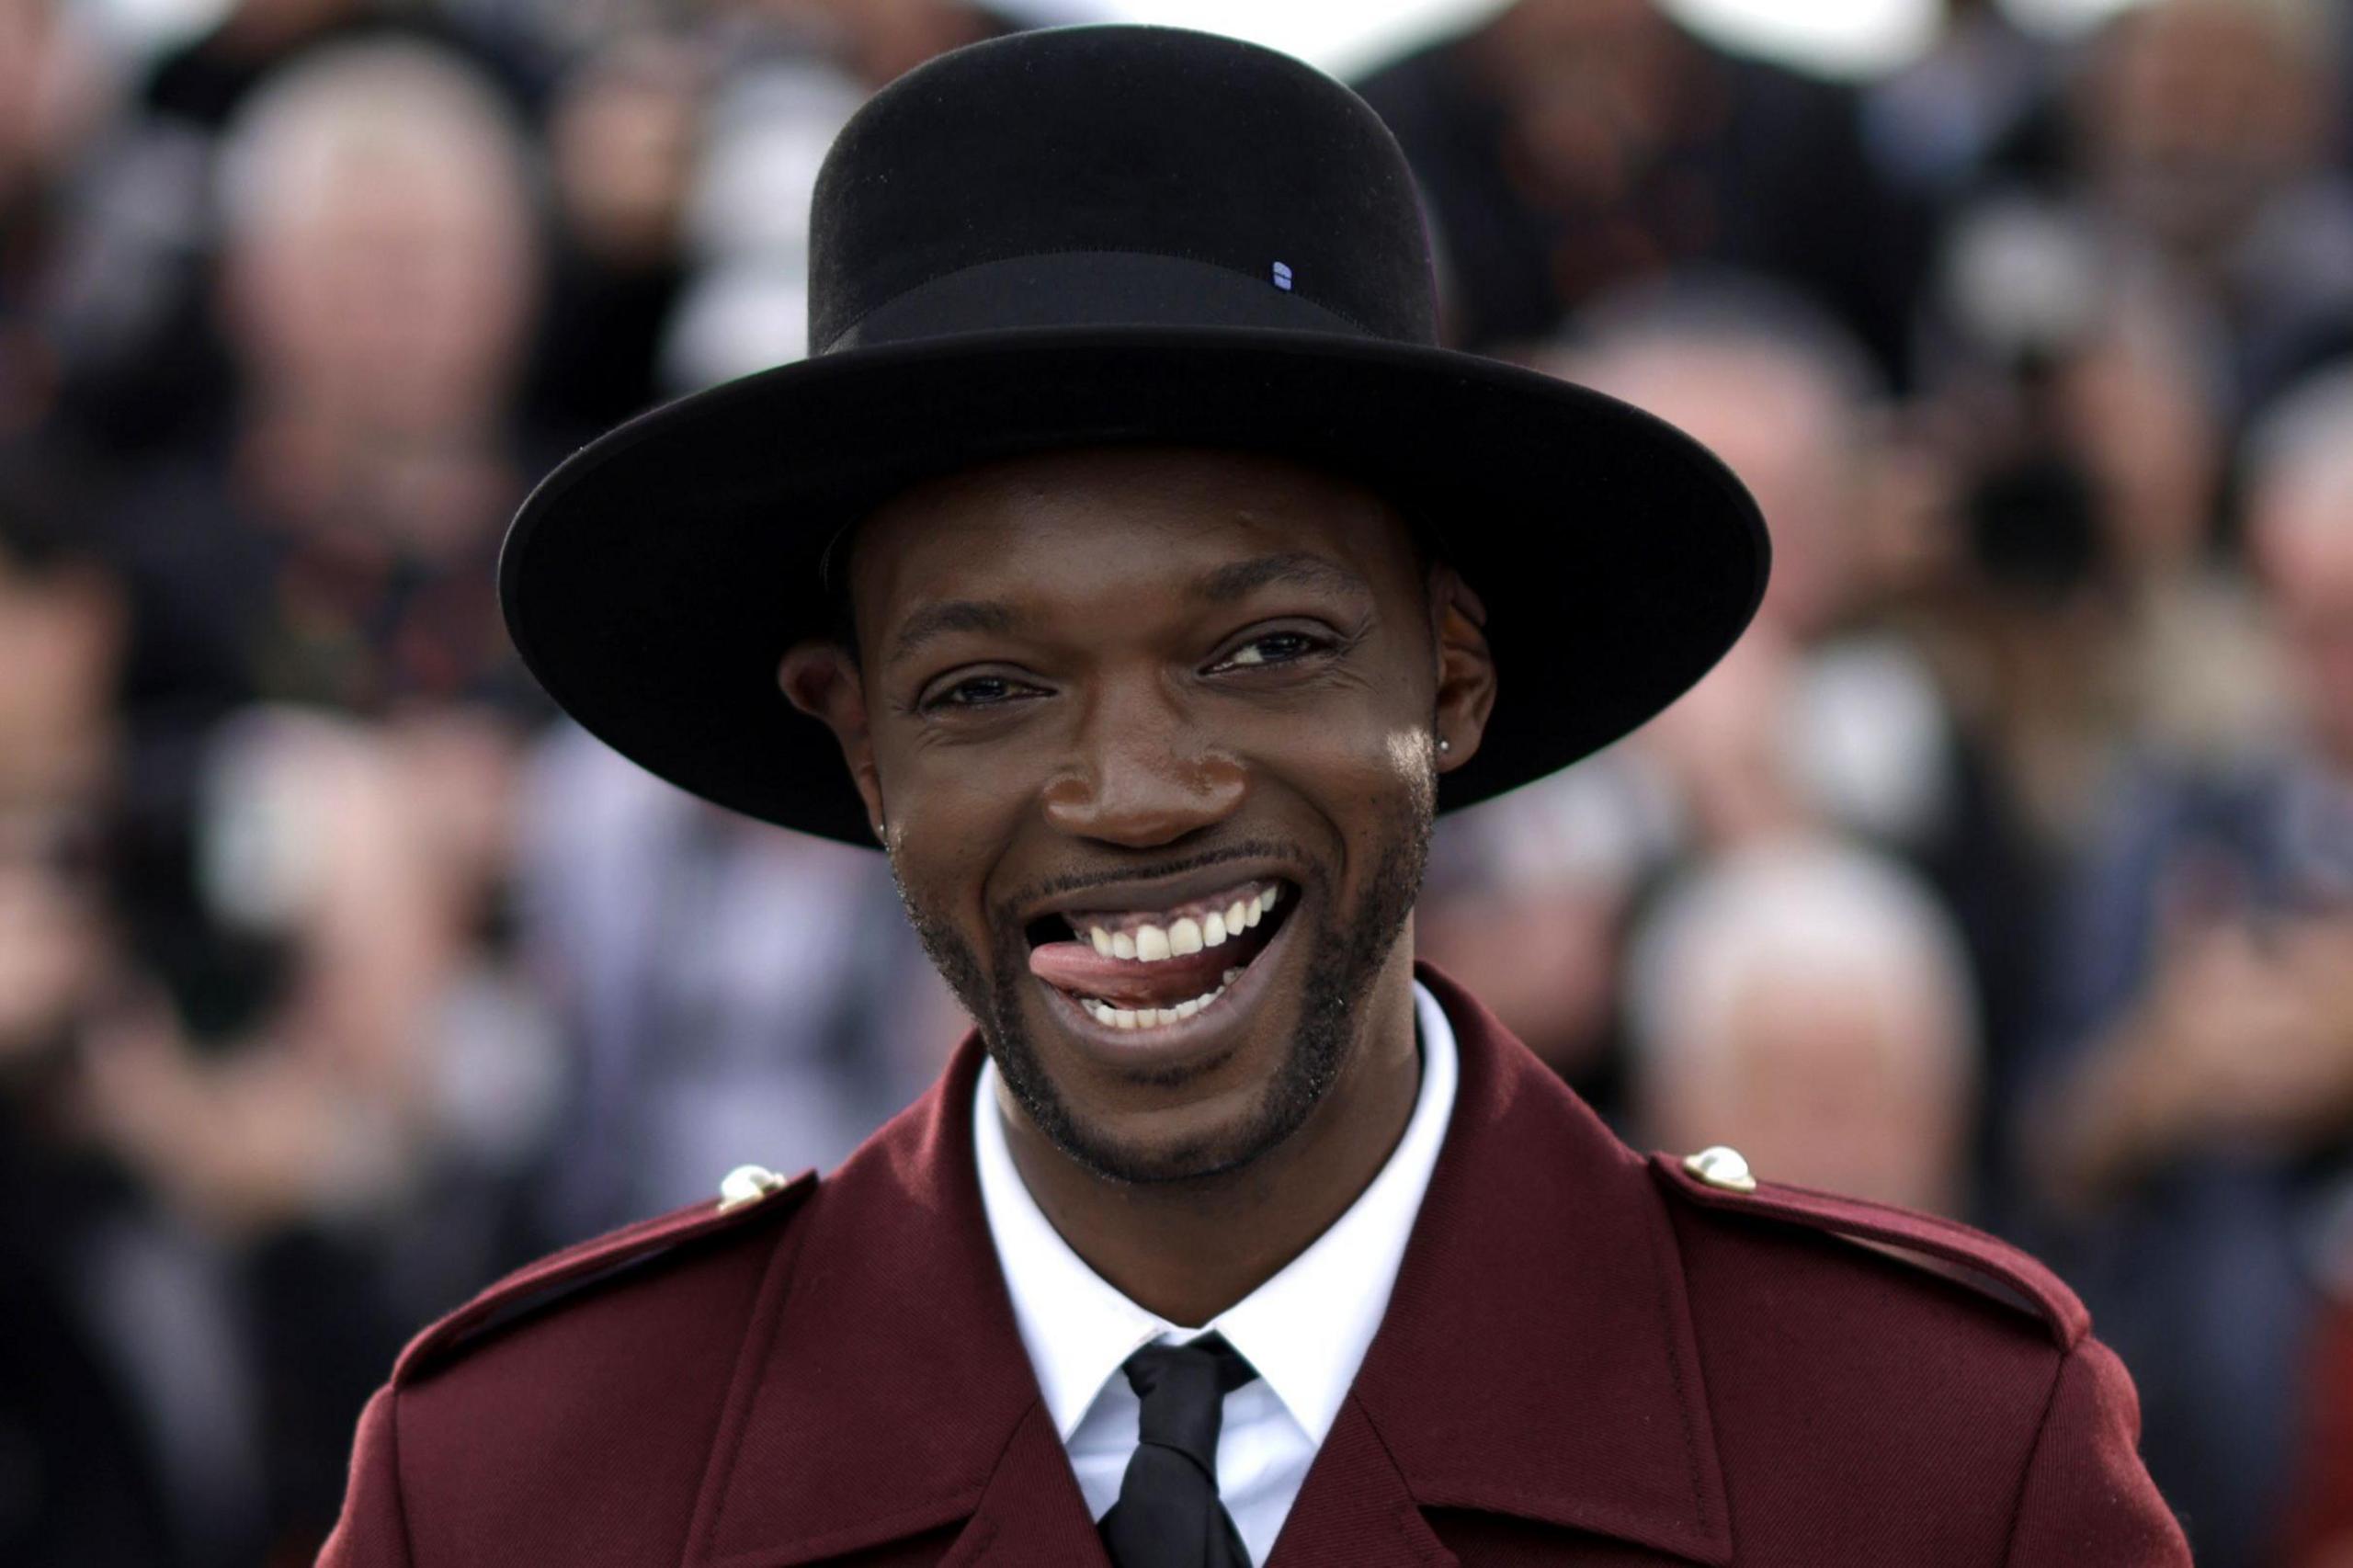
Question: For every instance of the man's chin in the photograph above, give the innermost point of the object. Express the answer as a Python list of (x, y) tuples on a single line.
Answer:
[(1171, 1109), (1200, 1141)]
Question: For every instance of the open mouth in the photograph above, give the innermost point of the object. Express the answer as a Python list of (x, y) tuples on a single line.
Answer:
[(1149, 969)]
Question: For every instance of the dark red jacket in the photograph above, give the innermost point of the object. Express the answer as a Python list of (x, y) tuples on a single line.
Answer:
[(1589, 1358)]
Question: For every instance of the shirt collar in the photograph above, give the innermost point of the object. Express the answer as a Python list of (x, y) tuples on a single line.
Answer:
[(1305, 1329)]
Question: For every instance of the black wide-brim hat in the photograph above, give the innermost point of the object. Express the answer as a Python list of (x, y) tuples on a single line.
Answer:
[(1115, 234)]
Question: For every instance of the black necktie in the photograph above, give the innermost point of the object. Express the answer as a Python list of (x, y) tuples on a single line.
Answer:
[(1168, 1515)]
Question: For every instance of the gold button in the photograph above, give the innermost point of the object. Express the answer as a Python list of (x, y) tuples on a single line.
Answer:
[(747, 1183), (1720, 1166)]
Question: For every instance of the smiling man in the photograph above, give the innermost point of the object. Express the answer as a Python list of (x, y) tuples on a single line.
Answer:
[(1128, 562)]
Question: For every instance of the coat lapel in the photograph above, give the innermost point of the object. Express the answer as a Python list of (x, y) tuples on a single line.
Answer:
[(1356, 1507), (1537, 1358), (883, 1391), (1033, 1512)]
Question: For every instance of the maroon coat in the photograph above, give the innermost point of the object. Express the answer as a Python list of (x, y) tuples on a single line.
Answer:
[(1589, 1359)]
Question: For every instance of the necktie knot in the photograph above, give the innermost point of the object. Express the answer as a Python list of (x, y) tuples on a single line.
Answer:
[(1168, 1511), (1183, 1388)]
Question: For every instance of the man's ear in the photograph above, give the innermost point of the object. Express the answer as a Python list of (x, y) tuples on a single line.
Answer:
[(1466, 669), (821, 679)]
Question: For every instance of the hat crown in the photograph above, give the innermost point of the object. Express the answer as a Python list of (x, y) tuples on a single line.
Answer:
[(1116, 175)]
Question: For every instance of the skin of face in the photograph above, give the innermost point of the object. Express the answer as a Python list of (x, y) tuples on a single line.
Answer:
[(1089, 678)]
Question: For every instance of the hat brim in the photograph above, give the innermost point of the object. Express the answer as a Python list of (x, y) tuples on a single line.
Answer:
[(654, 581)]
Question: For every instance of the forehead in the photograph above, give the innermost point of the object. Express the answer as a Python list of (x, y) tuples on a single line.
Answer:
[(1031, 527)]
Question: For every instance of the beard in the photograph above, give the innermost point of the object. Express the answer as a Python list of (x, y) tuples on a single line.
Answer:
[(1345, 949)]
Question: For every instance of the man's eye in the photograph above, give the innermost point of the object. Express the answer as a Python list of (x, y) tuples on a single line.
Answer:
[(979, 691), (1274, 648)]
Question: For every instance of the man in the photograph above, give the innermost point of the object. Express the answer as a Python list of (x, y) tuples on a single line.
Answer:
[(1569, 148), (1158, 581)]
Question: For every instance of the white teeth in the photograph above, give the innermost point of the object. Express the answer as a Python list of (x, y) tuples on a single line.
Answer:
[(1187, 935), (1228, 978), (1103, 1013)]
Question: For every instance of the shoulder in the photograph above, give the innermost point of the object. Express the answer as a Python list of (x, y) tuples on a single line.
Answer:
[(1890, 1346), (1894, 1258), (626, 1279), (597, 1372)]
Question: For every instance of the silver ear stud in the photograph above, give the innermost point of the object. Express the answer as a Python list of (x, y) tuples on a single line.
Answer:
[(1444, 746)]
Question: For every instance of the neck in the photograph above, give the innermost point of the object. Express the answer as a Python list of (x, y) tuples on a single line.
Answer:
[(1188, 1250)]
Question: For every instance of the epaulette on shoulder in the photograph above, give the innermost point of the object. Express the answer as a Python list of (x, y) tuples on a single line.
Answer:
[(1718, 1178), (750, 1195)]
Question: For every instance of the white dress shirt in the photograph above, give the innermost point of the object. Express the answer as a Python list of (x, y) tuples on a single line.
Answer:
[(1305, 1330)]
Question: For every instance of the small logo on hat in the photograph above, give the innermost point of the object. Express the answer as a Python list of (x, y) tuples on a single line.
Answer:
[(1282, 276)]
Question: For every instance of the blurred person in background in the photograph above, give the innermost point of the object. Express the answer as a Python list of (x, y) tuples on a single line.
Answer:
[(2094, 605), (2194, 1124), (2204, 130), (127, 1435), (1568, 147), (334, 1089), (1825, 714), (2196, 140), (353, 1146), (1810, 1002), (332, 539), (144, 356), (54, 94), (223, 1223)]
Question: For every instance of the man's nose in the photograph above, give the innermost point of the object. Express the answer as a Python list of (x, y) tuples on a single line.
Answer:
[(1141, 775)]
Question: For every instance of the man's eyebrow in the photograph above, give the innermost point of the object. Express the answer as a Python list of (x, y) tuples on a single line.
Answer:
[(946, 616), (1244, 577)]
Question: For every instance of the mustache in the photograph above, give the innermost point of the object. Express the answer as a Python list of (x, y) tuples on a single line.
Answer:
[(1070, 882)]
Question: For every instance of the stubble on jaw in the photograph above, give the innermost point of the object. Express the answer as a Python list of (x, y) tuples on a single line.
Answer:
[(1344, 954)]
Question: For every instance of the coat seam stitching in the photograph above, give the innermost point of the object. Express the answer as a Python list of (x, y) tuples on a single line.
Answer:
[(399, 1490), (1675, 1363), (2034, 1457)]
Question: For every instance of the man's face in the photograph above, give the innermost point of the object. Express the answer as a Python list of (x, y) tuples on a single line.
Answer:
[(1152, 734)]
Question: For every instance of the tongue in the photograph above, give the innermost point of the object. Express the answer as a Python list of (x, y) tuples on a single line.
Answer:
[(1077, 968)]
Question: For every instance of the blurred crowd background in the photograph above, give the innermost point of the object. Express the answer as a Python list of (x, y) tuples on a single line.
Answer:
[(2005, 869)]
